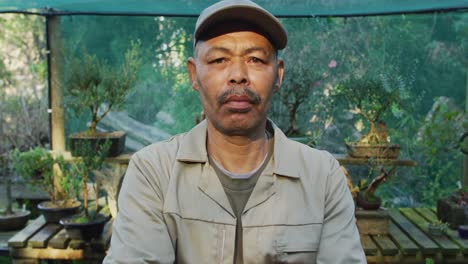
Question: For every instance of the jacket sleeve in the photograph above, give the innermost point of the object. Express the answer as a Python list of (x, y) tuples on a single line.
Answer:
[(339, 225), (139, 232)]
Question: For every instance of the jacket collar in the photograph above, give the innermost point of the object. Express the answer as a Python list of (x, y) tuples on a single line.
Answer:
[(286, 157)]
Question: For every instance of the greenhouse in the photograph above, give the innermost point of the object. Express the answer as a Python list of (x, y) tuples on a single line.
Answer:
[(381, 85)]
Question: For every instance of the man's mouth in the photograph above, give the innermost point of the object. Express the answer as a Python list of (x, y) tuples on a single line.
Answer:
[(238, 103)]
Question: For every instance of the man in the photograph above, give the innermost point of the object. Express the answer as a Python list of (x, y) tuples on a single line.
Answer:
[(234, 189)]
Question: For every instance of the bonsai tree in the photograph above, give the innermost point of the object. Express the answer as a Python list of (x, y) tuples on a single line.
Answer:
[(36, 167), (10, 219), (93, 83), (367, 198), (90, 161), (89, 224), (372, 98)]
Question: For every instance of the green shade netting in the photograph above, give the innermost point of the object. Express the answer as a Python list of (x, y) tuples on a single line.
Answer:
[(192, 8)]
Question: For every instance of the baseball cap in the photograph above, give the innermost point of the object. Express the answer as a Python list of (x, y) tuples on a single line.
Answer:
[(245, 11)]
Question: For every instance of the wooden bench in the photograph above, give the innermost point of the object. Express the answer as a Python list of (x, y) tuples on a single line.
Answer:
[(409, 242), (42, 241)]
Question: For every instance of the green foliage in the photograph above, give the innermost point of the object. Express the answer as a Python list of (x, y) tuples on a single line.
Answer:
[(22, 39), (23, 100), (308, 66), (165, 46), (69, 180), (372, 98), (86, 218), (92, 158), (5, 75), (434, 148), (36, 168), (429, 261), (93, 83)]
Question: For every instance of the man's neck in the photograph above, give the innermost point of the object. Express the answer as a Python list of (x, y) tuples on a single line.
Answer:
[(237, 154)]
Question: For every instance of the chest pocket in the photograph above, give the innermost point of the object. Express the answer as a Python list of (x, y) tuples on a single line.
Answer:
[(298, 244)]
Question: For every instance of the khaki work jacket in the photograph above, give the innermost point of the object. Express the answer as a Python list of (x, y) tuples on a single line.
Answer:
[(173, 208)]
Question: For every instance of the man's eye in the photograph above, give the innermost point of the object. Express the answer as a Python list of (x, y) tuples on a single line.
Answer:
[(255, 60), (218, 61)]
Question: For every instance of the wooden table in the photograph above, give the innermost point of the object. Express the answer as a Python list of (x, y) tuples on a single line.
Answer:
[(42, 241), (409, 241)]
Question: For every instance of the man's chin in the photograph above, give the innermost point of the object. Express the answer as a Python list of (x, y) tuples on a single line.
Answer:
[(237, 127)]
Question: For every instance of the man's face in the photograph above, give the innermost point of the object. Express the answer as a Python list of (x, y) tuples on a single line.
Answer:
[(236, 75)]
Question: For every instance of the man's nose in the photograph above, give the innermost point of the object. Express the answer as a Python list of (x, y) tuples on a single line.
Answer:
[(239, 73)]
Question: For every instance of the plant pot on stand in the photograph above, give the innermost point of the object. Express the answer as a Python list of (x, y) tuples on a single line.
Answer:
[(11, 219), (99, 87), (81, 228), (378, 151), (454, 209), (89, 224), (116, 141), (54, 211)]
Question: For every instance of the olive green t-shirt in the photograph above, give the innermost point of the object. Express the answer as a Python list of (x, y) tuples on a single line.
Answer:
[(238, 190)]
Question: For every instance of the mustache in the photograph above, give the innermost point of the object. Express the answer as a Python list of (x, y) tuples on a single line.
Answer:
[(253, 97)]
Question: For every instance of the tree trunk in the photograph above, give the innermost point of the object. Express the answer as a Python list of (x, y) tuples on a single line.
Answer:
[(8, 209), (85, 194), (92, 126), (292, 129), (96, 193)]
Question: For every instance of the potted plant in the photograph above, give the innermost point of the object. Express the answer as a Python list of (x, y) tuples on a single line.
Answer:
[(90, 223), (366, 197), (10, 219), (36, 166), (97, 86), (371, 98), (454, 208), (437, 228)]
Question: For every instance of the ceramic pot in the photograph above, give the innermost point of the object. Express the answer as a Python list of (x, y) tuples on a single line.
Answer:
[(380, 151), (53, 213), (95, 141), (84, 230), (367, 204), (15, 221)]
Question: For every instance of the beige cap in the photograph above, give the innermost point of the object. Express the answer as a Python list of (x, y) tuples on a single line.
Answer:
[(242, 10)]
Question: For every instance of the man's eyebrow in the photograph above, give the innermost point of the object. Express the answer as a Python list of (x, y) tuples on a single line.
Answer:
[(218, 49), (228, 51), (255, 49)]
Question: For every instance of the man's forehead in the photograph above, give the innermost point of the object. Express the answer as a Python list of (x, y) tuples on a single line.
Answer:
[(243, 42), (228, 27)]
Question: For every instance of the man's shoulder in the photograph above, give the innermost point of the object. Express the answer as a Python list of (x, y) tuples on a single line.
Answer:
[(298, 148), (297, 151), (167, 148)]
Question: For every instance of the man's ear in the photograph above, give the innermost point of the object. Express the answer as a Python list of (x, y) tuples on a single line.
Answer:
[(192, 71), (279, 76)]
